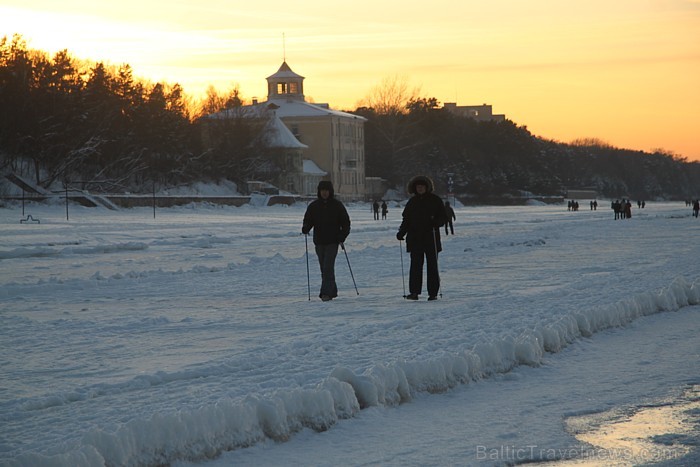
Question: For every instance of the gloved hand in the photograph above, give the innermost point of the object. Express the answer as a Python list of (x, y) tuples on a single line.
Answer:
[(341, 238), (399, 236), (305, 230)]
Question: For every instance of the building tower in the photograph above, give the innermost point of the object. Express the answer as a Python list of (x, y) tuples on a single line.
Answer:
[(334, 140), (285, 84)]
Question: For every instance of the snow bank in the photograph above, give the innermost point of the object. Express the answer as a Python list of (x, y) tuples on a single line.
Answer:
[(206, 432), (38, 252)]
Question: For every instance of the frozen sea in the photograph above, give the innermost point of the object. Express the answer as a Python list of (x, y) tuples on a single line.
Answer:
[(189, 339)]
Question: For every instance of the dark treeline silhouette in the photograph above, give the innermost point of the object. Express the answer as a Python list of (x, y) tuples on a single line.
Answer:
[(97, 127), (488, 158)]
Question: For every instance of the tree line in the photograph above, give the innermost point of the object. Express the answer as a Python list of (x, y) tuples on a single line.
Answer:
[(95, 126), (495, 159)]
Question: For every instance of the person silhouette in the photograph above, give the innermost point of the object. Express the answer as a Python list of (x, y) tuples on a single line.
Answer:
[(450, 217), (330, 222), (423, 216)]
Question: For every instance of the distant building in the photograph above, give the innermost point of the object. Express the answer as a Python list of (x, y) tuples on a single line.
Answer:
[(481, 113), (581, 193), (312, 175), (376, 187), (317, 142), (335, 140)]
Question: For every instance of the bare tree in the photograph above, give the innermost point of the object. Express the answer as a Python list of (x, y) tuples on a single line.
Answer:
[(390, 104), (390, 96)]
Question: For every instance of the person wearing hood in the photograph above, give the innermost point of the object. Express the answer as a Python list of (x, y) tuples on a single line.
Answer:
[(423, 216), (330, 222)]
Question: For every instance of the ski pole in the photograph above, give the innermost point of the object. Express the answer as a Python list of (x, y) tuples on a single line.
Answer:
[(342, 245), (403, 274), (308, 276), (437, 265)]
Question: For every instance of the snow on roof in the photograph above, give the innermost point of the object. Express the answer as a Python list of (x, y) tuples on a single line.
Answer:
[(285, 72), (279, 136), (311, 168), (294, 108)]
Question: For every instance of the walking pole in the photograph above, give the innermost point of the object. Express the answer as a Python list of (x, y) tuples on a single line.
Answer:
[(403, 274), (437, 264), (342, 245), (308, 277)]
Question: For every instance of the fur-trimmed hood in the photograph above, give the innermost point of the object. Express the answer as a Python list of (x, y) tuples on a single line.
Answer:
[(420, 180)]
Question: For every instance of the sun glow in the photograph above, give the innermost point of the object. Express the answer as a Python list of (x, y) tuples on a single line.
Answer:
[(623, 72)]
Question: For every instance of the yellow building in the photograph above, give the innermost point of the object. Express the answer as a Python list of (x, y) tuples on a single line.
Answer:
[(335, 140)]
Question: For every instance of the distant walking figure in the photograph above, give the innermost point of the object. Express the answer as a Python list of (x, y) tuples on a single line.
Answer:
[(696, 207), (450, 217), (375, 209), (385, 209), (616, 207)]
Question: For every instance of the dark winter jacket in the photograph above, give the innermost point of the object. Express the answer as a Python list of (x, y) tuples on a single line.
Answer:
[(327, 217), (423, 216)]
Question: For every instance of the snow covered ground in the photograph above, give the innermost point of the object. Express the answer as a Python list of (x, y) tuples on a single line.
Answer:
[(189, 339)]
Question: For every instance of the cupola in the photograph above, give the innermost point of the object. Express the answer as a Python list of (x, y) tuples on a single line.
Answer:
[(285, 84)]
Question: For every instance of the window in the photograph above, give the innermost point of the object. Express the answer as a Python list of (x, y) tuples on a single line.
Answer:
[(287, 88)]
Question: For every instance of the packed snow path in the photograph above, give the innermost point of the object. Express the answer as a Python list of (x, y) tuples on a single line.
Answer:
[(129, 340)]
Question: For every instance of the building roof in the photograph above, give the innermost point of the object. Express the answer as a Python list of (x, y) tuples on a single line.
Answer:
[(284, 72), (293, 108), (311, 168), (277, 135)]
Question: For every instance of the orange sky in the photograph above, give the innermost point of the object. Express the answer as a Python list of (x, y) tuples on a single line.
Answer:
[(624, 71)]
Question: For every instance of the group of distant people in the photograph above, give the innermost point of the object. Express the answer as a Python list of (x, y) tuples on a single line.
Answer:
[(375, 209), (622, 209), (572, 205)]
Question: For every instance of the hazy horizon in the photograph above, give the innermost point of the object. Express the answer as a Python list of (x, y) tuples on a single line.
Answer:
[(623, 73)]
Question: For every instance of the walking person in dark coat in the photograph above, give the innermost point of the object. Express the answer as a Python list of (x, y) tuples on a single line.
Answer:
[(330, 221), (423, 216), (450, 217)]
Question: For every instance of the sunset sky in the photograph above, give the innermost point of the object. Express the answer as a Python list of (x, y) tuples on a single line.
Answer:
[(623, 71)]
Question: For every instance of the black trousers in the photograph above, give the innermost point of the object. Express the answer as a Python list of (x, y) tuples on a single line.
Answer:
[(415, 278), (450, 226), (326, 260)]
